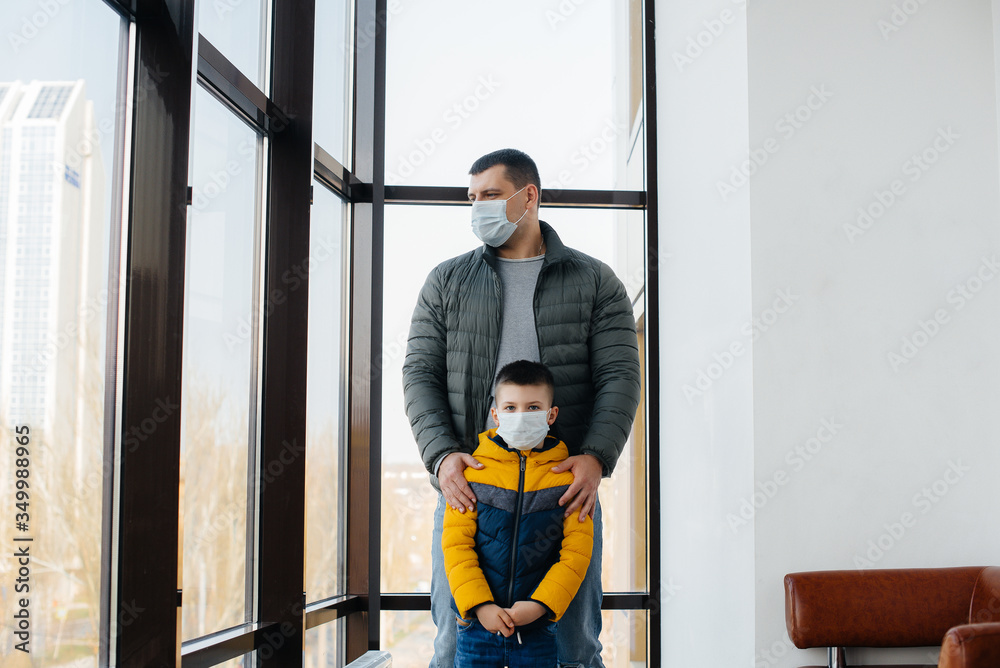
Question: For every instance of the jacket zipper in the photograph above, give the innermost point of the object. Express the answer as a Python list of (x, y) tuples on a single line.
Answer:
[(498, 288), (517, 526), (534, 308)]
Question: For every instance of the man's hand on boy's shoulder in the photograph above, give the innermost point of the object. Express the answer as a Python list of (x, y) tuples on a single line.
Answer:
[(451, 480), (495, 619), (587, 471)]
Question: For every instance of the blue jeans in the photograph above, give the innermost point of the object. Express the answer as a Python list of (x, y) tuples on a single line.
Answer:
[(579, 630), (478, 648)]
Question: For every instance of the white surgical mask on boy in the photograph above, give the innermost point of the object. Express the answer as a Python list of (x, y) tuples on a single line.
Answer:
[(523, 431), (489, 221)]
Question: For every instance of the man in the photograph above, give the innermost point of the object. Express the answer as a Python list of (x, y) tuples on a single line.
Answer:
[(522, 295)]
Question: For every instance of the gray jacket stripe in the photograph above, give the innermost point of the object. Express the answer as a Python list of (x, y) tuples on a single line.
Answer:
[(498, 497), (542, 499)]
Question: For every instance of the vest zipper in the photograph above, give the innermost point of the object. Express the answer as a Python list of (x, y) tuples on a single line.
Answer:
[(517, 526)]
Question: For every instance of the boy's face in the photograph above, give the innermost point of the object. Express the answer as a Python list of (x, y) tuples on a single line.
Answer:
[(513, 398)]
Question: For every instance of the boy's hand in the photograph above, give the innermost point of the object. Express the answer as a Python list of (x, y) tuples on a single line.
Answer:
[(582, 494), (454, 486), (495, 619), (525, 612)]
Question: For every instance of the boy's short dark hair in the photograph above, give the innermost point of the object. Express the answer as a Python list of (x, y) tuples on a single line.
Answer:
[(524, 372), (520, 168)]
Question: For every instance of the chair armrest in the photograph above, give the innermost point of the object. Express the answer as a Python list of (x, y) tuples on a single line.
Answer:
[(971, 646)]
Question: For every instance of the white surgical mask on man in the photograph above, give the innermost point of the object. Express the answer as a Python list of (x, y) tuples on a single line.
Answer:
[(523, 431), (489, 221)]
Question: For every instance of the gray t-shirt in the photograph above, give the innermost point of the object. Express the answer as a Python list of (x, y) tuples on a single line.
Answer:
[(518, 339)]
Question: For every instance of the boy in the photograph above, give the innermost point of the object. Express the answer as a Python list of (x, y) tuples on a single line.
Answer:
[(514, 563)]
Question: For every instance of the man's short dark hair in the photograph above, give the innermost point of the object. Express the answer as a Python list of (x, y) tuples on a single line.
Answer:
[(520, 168), (523, 372)]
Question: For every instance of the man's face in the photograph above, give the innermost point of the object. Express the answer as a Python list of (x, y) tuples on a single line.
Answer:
[(491, 184)]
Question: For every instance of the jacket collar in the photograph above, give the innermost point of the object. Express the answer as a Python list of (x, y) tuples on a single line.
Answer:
[(555, 250), (501, 451)]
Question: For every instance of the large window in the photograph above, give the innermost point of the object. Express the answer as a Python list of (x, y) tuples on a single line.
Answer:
[(215, 216), (552, 80), (325, 411), (590, 149), (332, 83), (221, 341), (60, 121), (237, 29), (408, 499)]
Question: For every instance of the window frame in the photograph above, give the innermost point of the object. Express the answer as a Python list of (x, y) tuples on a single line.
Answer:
[(145, 323)]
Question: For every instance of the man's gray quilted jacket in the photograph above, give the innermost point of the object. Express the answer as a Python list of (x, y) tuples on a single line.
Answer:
[(586, 336)]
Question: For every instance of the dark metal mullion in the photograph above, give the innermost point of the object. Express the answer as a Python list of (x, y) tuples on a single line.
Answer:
[(282, 472), (457, 196), (343, 410), (652, 334), (331, 183), (638, 601), (364, 470), (323, 612), (144, 619), (225, 645), (232, 86), (329, 170), (374, 360), (343, 183), (231, 643), (395, 601), (244, 112), (126, 9)]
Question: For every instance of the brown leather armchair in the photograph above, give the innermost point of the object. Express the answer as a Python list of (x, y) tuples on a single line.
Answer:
[(957, 608)]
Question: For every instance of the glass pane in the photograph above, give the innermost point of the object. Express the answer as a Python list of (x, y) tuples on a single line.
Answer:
[(526, 78), (325, 646), (234, 27), (325, 396), (623, 635), (332, 99), (220, 331), (59, 107), (408, 499), (409, 636), (616, 238)]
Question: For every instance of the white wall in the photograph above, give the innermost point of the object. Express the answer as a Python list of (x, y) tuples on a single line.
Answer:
[(706, 434), (856, 400)]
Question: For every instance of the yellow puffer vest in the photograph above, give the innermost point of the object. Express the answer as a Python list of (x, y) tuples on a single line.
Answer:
[(516, 545)]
